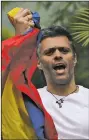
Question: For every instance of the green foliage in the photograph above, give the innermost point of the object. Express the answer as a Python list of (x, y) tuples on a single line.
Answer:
[(4, 4), (80, 27), (6, 33), (61, 12), (47, 4)]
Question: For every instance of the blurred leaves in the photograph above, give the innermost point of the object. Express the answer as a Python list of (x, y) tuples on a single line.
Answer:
[(5, 3), (46, 5), (6, 33), (80, 27), (60, 12)]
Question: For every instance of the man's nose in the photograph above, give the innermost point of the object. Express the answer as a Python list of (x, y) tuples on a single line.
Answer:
[(57, 55)]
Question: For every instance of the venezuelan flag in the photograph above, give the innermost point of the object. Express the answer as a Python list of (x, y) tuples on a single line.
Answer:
[(16, 123)]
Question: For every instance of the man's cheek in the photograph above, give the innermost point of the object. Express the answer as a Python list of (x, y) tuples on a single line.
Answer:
[(45, 66), (71, 66)]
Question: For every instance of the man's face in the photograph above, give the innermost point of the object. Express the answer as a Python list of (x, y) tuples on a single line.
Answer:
[(57, 59)]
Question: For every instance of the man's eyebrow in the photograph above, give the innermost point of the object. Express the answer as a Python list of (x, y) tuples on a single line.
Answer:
[(56, 47), (49, 49)]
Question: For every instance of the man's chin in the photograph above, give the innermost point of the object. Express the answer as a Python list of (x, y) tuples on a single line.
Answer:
[(62, 80)]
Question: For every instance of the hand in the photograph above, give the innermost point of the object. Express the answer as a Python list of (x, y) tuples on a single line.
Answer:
[(23, 21)]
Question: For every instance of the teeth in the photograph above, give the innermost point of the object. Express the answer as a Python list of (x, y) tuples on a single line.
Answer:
[(59, 66)]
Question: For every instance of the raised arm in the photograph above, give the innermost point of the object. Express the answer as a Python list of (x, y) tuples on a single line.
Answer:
[(21, 22)]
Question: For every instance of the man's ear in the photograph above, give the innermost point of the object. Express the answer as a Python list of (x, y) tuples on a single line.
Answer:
[(39, 64), (75, 59)]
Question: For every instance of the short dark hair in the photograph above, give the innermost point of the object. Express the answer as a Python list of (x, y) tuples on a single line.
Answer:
[(54, 31)]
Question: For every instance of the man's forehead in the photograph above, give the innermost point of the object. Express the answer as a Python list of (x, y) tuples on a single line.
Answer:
[(53, 42)]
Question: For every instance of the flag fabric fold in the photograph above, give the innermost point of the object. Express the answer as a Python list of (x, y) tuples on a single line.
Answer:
[(16, 123)]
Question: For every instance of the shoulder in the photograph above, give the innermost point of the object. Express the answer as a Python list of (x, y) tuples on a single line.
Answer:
[(84, 94), (83, 89), (42, 90)]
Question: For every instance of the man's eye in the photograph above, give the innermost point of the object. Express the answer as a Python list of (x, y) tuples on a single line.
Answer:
[(65, 50), (49, 52)]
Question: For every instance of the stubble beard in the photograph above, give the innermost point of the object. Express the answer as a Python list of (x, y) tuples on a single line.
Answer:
[(64, 81)]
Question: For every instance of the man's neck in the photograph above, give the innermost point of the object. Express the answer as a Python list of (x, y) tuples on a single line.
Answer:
[(62, 90)]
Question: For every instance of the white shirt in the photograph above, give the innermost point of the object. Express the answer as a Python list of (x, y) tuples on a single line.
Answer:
[(72, 120)]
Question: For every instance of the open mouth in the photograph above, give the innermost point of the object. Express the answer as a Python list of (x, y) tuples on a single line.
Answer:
[(60, 68)]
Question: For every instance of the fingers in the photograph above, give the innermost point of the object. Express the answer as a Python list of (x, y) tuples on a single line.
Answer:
[(31, 23), (28, 23), (28, 17), (23, 13), (24, 16), (23, 21)]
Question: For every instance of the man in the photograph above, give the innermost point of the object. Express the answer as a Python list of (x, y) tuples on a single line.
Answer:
[(63, 100)]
